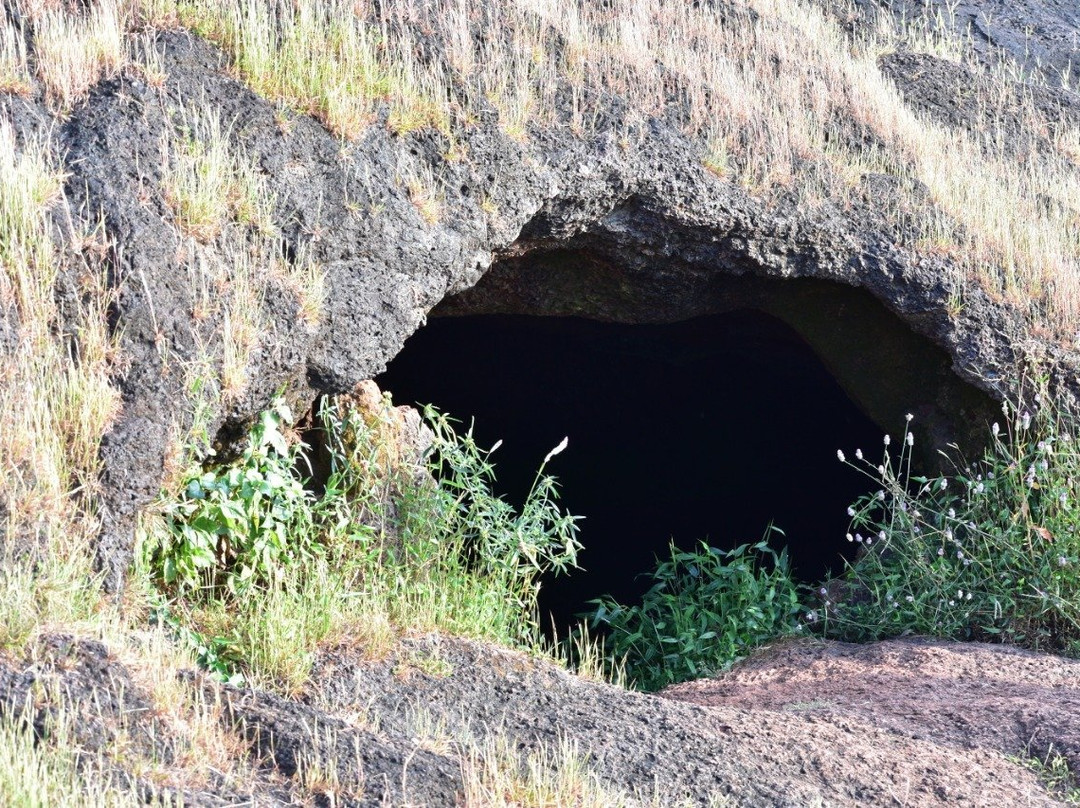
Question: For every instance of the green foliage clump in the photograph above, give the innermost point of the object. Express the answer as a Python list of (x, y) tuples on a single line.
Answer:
[(254, 569), (990, 552), (510, 549), (707, 609), (238, 525)]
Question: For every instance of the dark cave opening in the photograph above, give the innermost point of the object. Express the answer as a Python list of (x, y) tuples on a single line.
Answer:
[(706, 429)]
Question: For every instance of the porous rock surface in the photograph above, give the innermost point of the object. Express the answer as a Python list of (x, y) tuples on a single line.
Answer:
[(654, 236), (636, 209), (916, 723)]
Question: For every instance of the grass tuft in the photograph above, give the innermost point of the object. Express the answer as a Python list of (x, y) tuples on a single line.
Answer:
[(495, 775), (56, 402)]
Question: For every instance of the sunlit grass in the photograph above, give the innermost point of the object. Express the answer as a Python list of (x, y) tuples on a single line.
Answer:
[(56, 402)]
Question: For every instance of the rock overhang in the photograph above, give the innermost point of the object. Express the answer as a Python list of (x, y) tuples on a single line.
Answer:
[(632, 199)]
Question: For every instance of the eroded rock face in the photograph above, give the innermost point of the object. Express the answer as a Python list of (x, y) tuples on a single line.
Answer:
[(653, 236), (801, 723), (1037, 35)]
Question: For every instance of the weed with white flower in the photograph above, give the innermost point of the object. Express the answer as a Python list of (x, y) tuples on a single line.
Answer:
[(1004, 531)]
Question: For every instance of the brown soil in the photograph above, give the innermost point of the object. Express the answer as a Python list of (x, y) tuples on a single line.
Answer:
[(955, 698), (805, 723)]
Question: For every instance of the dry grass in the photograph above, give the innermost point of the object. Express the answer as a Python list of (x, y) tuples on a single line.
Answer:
[(41, 775), (74, 51), (425, 194), (224, 207), (15, 76), (495, 776), (203, 748), (210, 183), (55, 404), (770, 91)]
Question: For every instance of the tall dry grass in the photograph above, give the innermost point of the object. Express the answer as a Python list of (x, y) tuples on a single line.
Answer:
[(778, 94), (56, 402)]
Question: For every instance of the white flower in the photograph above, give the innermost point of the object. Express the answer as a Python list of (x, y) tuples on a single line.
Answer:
[(562, 445), (908, 417), (858, 454), (850, 511), (910, 598), (1025, 420), (910, 438), (1063, 561), (887, 440), (840, 455), (995, 429), (850, 537), (859, 538), (881, 535), (943, 484), (941, 551)]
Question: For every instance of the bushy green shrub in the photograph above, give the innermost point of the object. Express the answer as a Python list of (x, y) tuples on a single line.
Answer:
[(254, 569), (513, 549), (707, 609), (991, 551), (238, 525)]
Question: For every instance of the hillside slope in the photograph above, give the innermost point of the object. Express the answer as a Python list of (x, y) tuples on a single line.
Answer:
[(203, 204)]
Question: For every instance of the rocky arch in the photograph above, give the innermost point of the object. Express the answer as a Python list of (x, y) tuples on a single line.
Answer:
[(700, 404), (633, 202)]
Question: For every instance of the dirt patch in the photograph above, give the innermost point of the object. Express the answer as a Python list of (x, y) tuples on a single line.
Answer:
[(801, 724), (955, 698), (805, 724)]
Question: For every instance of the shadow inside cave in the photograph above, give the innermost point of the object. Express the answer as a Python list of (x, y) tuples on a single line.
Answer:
[(708, 429)]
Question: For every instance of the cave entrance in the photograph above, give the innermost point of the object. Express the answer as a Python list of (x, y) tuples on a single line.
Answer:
[(705, 429)]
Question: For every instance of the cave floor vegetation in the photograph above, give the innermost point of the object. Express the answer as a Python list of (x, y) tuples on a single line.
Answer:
[(257, 571)]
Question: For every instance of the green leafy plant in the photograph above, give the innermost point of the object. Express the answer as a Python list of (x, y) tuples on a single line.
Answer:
[(254, 570), (989, 552), (216, 655), (706, 609), (240, 525), (510, 549)]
